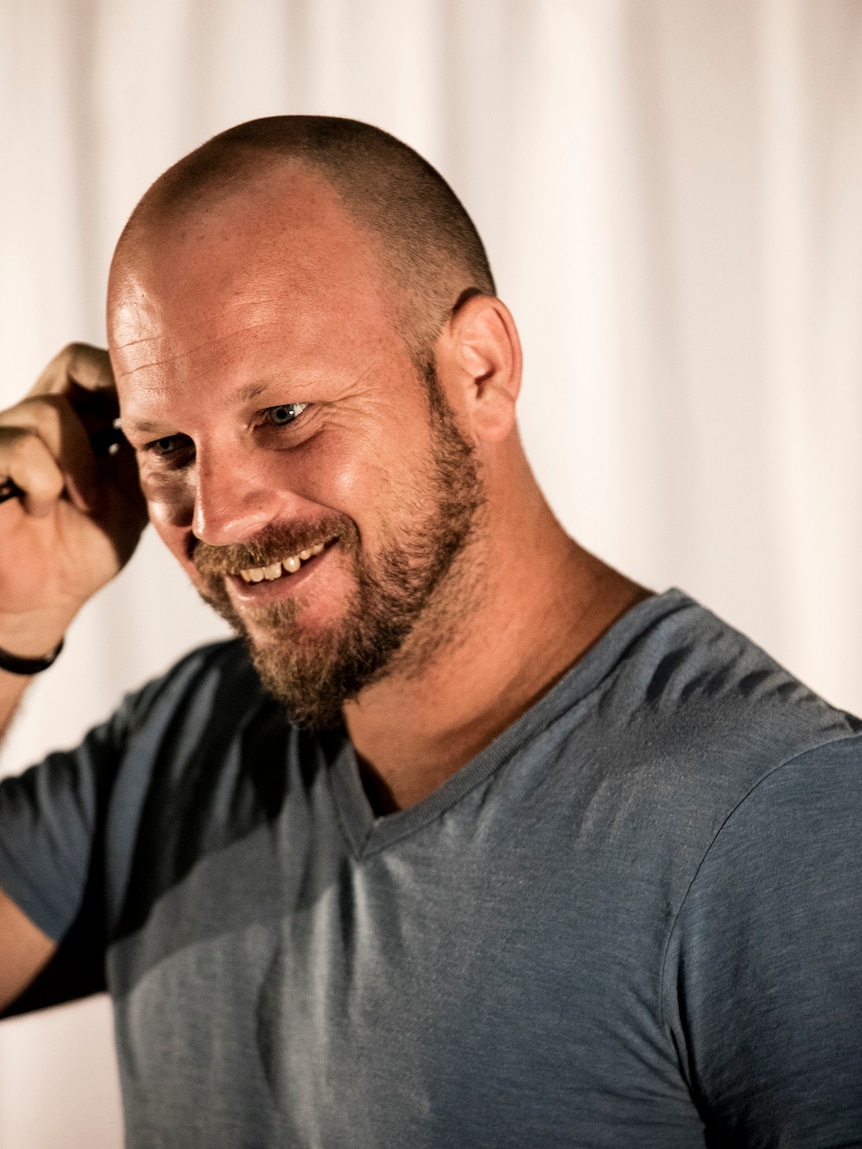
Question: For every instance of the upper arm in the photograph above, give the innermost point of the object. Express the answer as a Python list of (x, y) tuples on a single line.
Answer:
[(51, 847), (24, 951), (763, 985)]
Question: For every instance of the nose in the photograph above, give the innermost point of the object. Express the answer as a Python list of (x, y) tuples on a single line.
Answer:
[(233, 500)]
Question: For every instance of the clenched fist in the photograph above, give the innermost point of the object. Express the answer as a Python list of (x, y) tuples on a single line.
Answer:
[(77, 511)]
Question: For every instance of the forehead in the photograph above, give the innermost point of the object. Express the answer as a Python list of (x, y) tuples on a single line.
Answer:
[(278, 265)]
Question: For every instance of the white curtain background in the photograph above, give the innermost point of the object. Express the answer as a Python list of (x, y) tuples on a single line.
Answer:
[(671, 195)]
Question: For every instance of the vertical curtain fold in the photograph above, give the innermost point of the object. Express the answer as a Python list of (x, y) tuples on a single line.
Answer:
[(671, 195)]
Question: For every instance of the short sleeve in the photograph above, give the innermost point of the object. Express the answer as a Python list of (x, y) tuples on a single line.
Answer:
[(49, 823), (762, 986), (52, 829), (69, 826)]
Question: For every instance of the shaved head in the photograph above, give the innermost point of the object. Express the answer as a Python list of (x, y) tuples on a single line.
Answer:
[(279, 305), (428, 250)]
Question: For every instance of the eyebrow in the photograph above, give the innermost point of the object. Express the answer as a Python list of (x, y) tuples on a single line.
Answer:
[(246, 394), (243, 395)]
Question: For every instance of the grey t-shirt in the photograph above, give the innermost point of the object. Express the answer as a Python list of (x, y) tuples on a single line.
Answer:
[(634, 920)]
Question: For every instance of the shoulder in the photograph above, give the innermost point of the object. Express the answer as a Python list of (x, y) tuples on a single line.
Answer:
[(679, 727), (686, 661), (710, 707), (212, 684), (762, 979), (792, 839), (199, 704)]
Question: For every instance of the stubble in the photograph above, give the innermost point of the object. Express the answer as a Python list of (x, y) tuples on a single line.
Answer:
[(411, 585)]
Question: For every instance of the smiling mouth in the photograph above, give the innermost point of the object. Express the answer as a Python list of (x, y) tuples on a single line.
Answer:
[(286, 566)]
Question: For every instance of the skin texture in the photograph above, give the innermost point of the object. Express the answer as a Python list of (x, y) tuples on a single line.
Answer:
[(393, 590), (274, 299), (26, 950), (77, 524), (81, 516), (424, 240)]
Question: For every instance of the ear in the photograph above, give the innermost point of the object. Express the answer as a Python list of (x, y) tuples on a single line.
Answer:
[(479, 364)]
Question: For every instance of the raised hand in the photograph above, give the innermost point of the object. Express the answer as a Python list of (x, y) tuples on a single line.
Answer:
[(73, 511)]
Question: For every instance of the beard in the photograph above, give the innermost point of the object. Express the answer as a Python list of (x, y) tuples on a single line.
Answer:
[(312, 676)]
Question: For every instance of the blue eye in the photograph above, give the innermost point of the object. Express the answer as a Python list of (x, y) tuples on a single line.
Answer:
[(284, 413)]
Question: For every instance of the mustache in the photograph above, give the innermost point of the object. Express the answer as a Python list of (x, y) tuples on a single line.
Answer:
[(273, 543)]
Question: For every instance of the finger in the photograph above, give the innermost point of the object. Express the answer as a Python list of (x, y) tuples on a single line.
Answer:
[(52, 418), (9, 490), (26, 461), (78, 364), (83, 375)]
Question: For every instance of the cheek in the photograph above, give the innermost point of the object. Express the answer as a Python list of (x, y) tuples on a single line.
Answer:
[(356, 476), (170, 504), (170, 511), (176, 539)]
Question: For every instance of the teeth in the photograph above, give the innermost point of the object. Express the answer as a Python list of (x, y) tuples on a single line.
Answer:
[(289, 565)]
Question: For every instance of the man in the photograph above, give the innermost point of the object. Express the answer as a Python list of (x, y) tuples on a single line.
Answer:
[(509, 851)]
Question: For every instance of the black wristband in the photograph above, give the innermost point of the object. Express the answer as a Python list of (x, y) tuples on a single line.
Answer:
[(27, 666)]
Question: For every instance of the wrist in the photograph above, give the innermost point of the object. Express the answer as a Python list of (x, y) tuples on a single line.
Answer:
[(27, 667), (33, 637)]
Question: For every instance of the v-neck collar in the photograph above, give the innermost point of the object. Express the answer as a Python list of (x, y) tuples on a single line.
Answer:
[(368, 834)]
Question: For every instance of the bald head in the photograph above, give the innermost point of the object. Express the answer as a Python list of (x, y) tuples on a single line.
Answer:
[(427, 249)]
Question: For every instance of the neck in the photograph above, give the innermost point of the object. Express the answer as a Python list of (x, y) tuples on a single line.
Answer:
[(544, 602)]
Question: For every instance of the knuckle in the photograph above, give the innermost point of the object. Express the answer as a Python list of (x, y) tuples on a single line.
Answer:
[(78, 353), (19, 443), (62, 362), (85, 354), (25, 455), (80, 363), (34, 414), (10, 436)]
